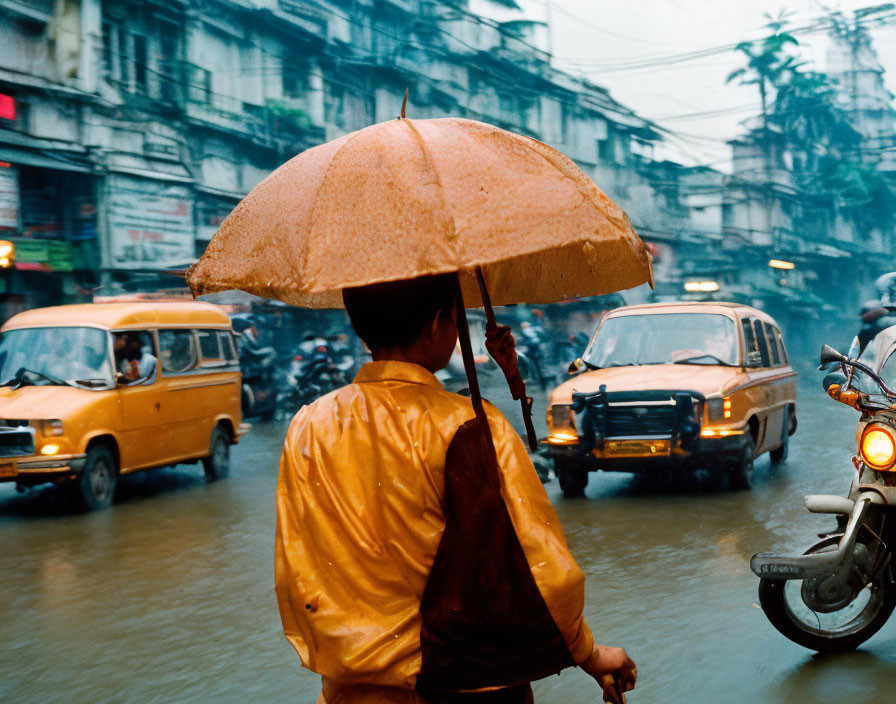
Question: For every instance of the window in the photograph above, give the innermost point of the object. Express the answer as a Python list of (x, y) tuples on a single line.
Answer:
[(779, 340), (752, 355), (124, 73), (228, 346), (295, 75), (216, 349), (168, 32), (210, 353), (108, 50), (140, 61), (761, 343), (770, 331), (135, 357), (177, 349)]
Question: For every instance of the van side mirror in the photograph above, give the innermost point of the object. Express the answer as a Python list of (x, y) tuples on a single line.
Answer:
[(577, 367), (754, 358)]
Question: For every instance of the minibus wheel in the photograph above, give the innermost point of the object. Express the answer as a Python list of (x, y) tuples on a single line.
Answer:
[(217, 464), (98, 478)]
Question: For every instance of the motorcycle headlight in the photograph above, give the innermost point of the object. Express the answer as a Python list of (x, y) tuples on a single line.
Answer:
[(878, 447)]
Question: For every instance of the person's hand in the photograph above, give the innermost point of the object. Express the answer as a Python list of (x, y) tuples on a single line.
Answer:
[(133, 371), (614, 671), (502, 348)]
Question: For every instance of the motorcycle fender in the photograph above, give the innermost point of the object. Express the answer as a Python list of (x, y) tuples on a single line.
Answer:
[(826, 564), (821, 503)]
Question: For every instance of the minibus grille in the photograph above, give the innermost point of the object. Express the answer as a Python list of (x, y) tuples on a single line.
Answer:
[(16, 441)]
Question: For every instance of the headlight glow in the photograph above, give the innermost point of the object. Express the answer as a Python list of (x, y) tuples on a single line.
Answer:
[(878, 447), (49, 449)]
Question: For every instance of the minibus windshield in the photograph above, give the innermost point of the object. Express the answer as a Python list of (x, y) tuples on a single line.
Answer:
[(73, 356)]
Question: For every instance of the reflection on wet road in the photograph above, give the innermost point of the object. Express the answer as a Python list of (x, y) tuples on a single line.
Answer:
[(169, 595)]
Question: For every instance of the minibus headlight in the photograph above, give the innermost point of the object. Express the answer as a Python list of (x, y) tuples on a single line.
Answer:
[(51, 428), (878, 447)]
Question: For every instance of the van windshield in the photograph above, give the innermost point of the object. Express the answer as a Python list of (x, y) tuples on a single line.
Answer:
[(73, 356), (667, 338)]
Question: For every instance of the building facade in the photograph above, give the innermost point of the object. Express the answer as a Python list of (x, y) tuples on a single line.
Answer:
[(128, 130)]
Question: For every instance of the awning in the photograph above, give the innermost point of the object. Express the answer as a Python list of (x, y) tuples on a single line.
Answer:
[(44, 159)]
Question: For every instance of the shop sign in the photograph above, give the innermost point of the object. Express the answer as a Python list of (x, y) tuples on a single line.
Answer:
[(7, 107), (9, 198), (42, 255), (150, 224)]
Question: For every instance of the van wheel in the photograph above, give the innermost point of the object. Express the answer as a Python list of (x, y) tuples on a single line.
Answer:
[(573, 477), (740, 467), (98, 478), (217, 464)]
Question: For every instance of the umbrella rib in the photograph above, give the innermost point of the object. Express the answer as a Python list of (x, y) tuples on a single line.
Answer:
[(313, 218), (426, 157)]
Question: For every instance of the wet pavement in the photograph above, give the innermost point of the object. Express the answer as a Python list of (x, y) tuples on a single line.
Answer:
[(168, 596)]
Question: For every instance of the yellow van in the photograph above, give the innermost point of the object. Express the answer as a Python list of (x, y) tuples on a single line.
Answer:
[(89, 392)]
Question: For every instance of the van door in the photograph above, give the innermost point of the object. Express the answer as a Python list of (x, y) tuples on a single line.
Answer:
[(145, 417), (216, 383), (179, 362)]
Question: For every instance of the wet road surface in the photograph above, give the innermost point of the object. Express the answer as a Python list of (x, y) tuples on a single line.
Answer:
[(168, 596)]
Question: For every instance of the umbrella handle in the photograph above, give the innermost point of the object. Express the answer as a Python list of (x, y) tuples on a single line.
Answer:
[(514, 381)]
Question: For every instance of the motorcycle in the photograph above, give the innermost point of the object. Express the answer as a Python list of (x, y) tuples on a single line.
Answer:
[(318, 369), (842, 590), (258, 387)]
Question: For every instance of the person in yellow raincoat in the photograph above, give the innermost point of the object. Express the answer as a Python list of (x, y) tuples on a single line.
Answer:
[(359, 509)]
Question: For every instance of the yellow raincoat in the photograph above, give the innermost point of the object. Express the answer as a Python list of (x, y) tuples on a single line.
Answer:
[(359, 520)]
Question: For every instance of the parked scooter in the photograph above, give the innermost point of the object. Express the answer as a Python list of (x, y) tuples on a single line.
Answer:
[(843, 589)]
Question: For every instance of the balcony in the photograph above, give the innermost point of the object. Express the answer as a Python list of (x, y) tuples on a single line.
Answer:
[(39, 11)]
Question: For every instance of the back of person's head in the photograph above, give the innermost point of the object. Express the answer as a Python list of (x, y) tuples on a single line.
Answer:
[(394, 314)]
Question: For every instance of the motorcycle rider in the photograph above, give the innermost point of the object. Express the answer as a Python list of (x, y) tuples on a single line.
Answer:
[(878, 314)]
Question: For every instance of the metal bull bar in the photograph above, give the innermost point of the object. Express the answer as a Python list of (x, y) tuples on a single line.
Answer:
[(593, 411), (835, 563)]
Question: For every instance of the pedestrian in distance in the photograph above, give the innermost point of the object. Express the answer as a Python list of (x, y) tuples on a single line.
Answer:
[(361, 528)]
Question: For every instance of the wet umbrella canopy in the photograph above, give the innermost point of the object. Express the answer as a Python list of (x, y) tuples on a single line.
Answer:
[(409, 198)]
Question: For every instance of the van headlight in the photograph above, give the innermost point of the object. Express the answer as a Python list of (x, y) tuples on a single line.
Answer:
[(878, 446)]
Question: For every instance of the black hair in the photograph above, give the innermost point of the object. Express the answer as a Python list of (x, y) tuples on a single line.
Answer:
[(394, 314)]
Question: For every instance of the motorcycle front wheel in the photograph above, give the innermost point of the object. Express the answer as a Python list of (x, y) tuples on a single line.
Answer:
[(836, 630)]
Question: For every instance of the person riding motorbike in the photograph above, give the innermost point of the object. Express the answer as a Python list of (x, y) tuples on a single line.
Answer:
[(877, 315)]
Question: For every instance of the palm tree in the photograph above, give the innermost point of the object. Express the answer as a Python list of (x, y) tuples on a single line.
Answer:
[(767, 61)]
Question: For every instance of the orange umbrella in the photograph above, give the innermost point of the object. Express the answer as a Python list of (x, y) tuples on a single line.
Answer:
[(408, 198)]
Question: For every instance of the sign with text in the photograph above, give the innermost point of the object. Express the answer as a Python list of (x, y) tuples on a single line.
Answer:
[(9, 198), (150, 224)]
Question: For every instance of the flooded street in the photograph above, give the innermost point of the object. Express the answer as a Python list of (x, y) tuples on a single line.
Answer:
[(168, 596)]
